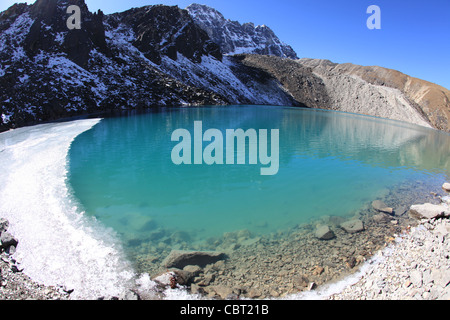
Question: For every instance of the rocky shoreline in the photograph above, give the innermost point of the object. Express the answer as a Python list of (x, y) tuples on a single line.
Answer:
[(14, 284), (412, 243), (282, 264), (417, 267)]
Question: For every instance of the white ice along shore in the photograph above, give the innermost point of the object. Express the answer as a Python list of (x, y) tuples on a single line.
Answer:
[(58, 244)]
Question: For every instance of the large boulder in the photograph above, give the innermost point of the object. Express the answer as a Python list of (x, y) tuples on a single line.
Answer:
[(429, 211), (180, 258)]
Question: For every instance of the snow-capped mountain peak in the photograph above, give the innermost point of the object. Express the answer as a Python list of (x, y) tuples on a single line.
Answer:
[(236, 38)]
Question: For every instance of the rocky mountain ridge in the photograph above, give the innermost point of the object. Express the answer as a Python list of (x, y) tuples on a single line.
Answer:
[(236, 38), (368, 90), (430, 101), (162, 56)]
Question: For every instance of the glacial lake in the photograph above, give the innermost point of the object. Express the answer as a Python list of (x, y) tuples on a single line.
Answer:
[(330, 164)]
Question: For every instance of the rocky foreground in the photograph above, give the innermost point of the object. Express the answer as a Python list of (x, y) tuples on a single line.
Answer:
[(416, 268), (14, 284), (413, 265)]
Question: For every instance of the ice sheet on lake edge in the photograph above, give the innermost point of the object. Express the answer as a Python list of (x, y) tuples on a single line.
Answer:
[(58, 245)]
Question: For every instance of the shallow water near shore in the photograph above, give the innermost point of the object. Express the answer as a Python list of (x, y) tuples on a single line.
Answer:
[(330, 164), (326, 177)]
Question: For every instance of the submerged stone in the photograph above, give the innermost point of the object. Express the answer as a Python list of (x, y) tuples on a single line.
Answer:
[(180, 258), (353, 226), (380, 206), (324, 233), (382, 217)]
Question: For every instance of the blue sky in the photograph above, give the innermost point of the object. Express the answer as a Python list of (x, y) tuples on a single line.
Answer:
[(414, 36)]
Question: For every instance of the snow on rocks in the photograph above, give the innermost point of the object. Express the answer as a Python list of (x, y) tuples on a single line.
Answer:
[(14, 285), (446, 187), (429, 211), (415, 267)]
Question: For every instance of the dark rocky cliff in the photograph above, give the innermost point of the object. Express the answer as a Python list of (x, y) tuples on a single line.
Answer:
[(163, 30)]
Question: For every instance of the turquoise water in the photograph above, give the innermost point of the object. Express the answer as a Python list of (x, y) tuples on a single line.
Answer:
[(330, 164)]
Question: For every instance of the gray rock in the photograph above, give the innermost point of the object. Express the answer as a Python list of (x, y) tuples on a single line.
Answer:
[(446, 187), (401, 210), (180, 258), (254, 293), (429, 211), (416, 278), (7, 240), (195, 270), (4, 224), (165, 278), (312, 286), (416, 268), (380, 206), (353, 226), (301, 281), (223, 291), (440, 277), (196, 289), (249, 242), (206, 280), (442, 230), (183, 277), (11, 250), (129, 296), (382, 217), (324, 233)]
